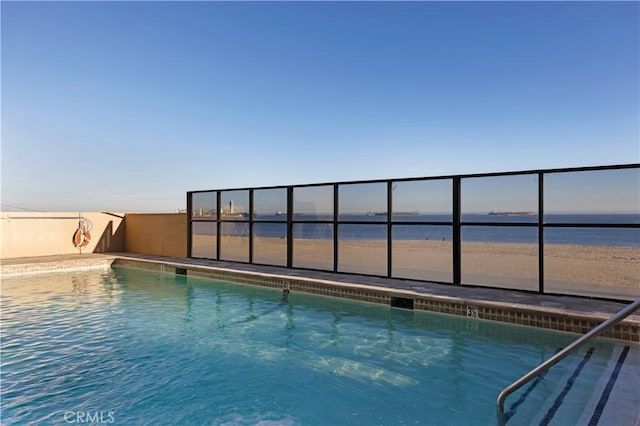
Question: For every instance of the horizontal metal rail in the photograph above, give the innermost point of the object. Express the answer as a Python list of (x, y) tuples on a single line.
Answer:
[(441, 177), (602, 327)]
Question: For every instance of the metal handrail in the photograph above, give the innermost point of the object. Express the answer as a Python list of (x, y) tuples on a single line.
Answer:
[(602, 327)]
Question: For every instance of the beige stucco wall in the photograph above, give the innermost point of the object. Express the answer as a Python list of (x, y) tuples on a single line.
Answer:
[(156, 234), (30, 234)]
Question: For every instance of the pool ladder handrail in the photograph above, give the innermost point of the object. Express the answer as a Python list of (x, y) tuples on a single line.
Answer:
[(599, 329)]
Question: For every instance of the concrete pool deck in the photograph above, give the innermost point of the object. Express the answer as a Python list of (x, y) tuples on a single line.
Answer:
[(556, 312)]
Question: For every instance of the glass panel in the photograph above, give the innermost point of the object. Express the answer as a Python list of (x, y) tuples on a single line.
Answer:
[(362, 249), (270, 243), (422, 252), (203, 205), (598, 262), (313, 203), (234, 241), (512, 198), (500, 256), (601, 196), (203, 240), (363, 201), (234, 205), (427, 200), (270, 204), (313, 246)]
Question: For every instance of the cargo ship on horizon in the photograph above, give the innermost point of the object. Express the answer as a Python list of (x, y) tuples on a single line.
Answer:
[(511, 213), (400, 213)]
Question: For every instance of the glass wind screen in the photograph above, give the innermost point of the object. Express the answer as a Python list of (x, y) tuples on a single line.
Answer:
[(595, 262), (512, 198), (270, 204), (203, 205), (422, 252), (422, 200), (362, 248), (363, 202), (203, 240), (234, 241), (313, 203), (234, 205), (270, 243), (599, 196), (313, 246), (500, 256)]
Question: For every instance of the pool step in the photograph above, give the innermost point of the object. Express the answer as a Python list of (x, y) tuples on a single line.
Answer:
[(573, 389), (618, 393), (593, 388), (543, 398)]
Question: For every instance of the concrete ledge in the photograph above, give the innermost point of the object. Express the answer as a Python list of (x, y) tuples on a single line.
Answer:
[(48, 264)]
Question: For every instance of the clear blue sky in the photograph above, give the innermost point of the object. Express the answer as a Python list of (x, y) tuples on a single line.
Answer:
[(126, 106)]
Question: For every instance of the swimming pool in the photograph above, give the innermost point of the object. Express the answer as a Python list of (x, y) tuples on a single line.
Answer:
[(125, 346)]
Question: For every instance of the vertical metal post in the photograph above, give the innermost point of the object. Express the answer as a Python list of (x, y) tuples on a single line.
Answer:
[(335, 227), (290, 227), (389, 236), (457, 233), (218, 225), (540, 232), (251, 226), (189, 223)]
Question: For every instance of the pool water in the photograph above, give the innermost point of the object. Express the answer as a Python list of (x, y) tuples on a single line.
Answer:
[(128, 346)]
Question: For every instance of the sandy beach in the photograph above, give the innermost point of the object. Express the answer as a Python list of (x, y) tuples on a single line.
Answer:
[(579, 269)]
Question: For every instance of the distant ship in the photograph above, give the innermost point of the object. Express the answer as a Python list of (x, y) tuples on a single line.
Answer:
[(281, 213), (511, 213), (381, 213)]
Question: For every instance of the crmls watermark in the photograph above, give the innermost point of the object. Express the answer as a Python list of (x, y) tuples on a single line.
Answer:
[(90, 417)]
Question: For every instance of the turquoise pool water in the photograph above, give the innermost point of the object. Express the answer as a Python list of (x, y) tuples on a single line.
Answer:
[(127, 346)]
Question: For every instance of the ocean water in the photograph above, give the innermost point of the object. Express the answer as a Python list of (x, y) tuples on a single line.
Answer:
[(126, 347), (304, 228)]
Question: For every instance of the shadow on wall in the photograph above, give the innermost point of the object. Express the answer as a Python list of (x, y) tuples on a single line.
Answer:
[(111, 241), (161, 234)]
